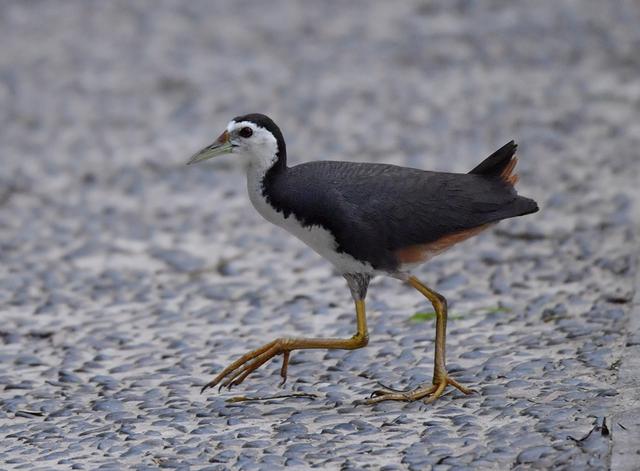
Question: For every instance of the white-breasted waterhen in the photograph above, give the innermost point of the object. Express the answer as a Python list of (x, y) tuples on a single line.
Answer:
[(367, 220)]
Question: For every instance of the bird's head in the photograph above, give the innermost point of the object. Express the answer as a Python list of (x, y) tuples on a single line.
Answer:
[(254, 136)]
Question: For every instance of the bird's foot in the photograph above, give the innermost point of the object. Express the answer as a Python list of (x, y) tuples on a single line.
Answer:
[(237, 372), (432, 392)]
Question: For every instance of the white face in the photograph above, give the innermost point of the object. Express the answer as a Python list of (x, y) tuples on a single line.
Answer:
[(257, 144)]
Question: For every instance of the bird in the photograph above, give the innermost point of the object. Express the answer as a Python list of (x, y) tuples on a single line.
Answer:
[(367, 220)]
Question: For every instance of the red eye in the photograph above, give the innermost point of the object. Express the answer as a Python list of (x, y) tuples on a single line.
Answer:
[(246, 132)]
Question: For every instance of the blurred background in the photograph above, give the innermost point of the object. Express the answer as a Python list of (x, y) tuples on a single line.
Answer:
[(127, 278)]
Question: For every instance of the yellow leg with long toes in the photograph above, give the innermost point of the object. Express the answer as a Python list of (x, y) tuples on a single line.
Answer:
[(441, 378), (237, 372)]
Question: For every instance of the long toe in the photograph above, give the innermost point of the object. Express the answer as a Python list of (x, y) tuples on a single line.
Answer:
[(431, 392), (404, 396), (240, 374), (460, 387), (237, 371)]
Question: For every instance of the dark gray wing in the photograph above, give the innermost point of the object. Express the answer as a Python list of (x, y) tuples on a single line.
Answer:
[(375, 209)]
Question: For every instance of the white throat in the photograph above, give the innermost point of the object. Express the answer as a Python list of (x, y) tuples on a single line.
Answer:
[(256, 171), (257, 167)]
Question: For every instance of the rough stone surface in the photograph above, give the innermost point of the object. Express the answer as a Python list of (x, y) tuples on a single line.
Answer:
[(127, 279), (625, 420)]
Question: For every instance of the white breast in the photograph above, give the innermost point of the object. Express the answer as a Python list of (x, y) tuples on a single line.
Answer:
[(316, 237)]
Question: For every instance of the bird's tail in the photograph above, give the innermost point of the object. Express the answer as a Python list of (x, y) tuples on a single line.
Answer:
[(500, 164)]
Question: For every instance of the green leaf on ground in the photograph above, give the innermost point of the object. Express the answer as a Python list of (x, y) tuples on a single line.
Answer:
[(430, 315), (422, 316)]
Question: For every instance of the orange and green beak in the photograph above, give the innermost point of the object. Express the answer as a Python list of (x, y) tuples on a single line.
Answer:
[(222, 145)]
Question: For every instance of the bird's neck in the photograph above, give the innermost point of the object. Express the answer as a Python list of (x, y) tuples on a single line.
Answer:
[(262, 172)]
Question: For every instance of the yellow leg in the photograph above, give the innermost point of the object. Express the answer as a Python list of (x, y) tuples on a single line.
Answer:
[(440, 376), (238, 371)]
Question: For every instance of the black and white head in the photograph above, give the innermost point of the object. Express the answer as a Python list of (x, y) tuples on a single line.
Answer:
[(254, 136)]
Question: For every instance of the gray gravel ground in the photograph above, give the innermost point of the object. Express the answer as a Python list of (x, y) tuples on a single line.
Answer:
[(127, 279)]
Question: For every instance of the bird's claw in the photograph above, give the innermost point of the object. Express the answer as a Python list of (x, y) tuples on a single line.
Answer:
[(285, 367), (388, 388), (431, 392), (237, 372)]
